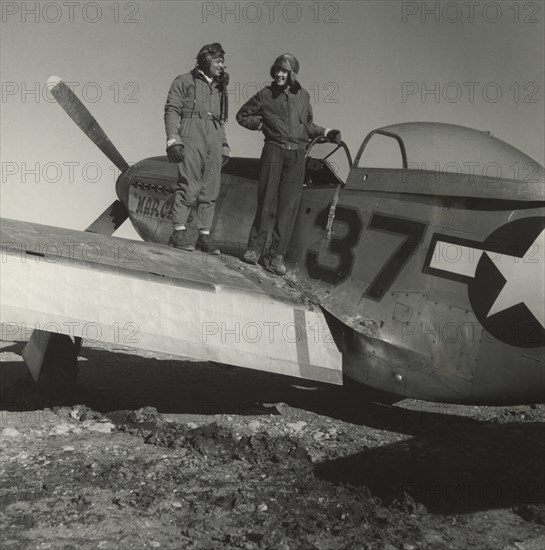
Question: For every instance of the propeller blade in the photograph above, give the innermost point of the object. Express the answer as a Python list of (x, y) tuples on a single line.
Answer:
[(77, 111), (110, 219)]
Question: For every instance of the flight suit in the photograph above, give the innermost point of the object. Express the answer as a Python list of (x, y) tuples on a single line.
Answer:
[(195, 113)]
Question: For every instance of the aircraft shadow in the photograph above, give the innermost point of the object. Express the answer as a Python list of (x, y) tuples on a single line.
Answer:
[(110, 380), (487, 467), (452, 464)]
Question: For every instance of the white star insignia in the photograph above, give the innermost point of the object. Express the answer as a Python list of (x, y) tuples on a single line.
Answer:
[(524, 280)]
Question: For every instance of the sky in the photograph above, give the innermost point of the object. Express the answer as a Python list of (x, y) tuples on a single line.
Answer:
[(365, 64)]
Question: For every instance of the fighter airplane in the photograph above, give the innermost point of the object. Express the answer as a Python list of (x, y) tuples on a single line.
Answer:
[(421, 274)]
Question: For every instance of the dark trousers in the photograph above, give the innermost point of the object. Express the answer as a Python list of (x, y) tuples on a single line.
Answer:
[(278, 196)]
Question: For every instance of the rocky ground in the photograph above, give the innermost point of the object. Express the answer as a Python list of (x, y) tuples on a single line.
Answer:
[(152, 452)]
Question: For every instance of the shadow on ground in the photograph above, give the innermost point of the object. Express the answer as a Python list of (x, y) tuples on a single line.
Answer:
[(453, 464), (461, 470)]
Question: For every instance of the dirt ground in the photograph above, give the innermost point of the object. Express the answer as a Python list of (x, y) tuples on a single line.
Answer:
[(154, 452)]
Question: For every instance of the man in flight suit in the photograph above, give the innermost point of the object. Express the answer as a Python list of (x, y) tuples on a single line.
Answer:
[(195, 116)]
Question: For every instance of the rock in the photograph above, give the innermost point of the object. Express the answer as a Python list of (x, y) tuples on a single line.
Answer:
[(254, 425), (296, 426), (102, 427), (145, 414), (531, 544), (10, 432), (61, 429), (434, 539), (262, 507)]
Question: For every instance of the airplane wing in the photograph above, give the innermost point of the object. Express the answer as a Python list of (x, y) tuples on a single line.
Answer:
[(157, 298)]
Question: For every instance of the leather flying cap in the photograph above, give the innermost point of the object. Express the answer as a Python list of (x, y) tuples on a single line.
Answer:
[(287, 62), (212, 51)]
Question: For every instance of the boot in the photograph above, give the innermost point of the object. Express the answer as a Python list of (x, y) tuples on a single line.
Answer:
[(179, 239), (207, 244), (250, 256), (276, 264)]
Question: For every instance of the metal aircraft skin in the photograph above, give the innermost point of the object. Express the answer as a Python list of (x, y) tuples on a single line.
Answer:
[(430, 268)]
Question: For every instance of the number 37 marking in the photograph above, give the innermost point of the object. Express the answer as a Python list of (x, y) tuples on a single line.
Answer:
[(343, 248)]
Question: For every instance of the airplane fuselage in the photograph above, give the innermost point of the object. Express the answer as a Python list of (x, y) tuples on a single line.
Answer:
[(401, 272)]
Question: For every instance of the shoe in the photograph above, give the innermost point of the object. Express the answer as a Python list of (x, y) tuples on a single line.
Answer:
[(207, 244), (250, 256), (179, 239), (265, 260), (276, 264)]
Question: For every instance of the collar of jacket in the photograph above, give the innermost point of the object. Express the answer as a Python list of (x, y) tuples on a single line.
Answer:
[(196, 73), (277, 90), (207, 78), (220, 83)]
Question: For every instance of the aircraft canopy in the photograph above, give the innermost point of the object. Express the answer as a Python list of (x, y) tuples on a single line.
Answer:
[(438, 147)]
